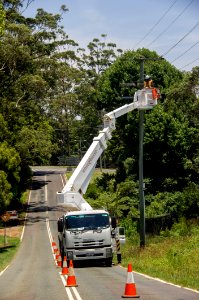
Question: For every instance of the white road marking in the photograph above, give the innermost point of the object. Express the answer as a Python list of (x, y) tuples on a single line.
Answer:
[(22, 234), (1, 273), (46, 194), (49, 232), (70, 296), (62, 180), (163, 281), (76, 293)]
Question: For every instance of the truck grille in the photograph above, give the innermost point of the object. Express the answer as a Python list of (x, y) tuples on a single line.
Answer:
[(89, 244), (90, 255)]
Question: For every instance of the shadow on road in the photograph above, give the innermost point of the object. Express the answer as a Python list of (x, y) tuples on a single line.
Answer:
[(39, 183)]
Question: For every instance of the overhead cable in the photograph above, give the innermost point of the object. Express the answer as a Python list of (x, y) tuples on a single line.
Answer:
[(189, 63), (180, 39), (180, 14), (157, 23), (185, 52)]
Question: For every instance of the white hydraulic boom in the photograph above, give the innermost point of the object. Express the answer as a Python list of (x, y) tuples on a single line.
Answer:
[(77, 184)]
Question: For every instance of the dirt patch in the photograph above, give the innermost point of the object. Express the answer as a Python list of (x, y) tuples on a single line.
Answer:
[(13, 231)]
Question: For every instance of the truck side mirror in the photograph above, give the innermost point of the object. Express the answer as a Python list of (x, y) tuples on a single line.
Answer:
[(113, 222), (60, 225)]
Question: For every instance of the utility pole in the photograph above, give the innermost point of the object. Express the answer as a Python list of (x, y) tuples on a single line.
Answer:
[(141, 182), (141, 139)]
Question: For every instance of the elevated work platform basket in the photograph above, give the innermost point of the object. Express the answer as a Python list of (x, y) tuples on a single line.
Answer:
[(146, 98)]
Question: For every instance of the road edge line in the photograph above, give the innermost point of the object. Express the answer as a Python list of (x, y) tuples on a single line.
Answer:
[(163, 281)]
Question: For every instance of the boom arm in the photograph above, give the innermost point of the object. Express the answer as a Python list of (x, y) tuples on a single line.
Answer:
[(78, 182)]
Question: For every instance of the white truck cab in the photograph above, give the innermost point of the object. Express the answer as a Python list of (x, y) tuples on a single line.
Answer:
[(86, 235)]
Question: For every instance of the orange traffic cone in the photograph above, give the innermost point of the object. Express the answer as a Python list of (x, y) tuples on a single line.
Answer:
[(130, 289), (57, 255), (59, 261), (64, 268), (55, 249), (71, 280), (53, 243)]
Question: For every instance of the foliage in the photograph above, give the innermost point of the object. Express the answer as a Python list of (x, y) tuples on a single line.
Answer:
[(47, 84), (10, 173), (170, 139), (173, 137), (2, 20), (126, 69), (10, 162), (123, 195), (183, 228), (34, 145), (167, 257), (53, 94), (5, 191), (100, 56)]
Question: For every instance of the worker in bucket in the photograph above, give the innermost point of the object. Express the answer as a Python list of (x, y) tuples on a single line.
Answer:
[(148, 82)]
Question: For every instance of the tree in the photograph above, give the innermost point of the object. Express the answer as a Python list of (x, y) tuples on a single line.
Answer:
[(9, 174), (126, 69), (34, 145), (165, 148), (5, 191), (101, 55), (2, 20), (26, 83)]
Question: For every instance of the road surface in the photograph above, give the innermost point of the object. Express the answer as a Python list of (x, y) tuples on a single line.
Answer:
[(33, 274)]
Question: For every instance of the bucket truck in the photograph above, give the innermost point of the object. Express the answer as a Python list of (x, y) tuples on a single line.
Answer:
[(87, 233)]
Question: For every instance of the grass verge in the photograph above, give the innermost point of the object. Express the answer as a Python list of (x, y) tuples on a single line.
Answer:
[(173, 259), (8, 251)]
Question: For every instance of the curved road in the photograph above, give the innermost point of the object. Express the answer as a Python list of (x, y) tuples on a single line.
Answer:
[(33, 275)]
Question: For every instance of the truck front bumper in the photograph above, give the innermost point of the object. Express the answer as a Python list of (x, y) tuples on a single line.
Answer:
[(94, 253)]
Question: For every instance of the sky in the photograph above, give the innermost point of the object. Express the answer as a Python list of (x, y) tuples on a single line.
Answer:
[(169, 27)]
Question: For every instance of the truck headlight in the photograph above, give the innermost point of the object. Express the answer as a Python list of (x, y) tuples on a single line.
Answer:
[(69, 254), (109, 252)]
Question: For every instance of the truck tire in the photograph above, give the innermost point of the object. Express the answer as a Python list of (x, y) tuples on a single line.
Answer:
[(62, 253), (59, 244)]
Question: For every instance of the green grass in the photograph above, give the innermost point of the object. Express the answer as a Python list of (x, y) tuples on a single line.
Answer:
[(7, 253), (174, 259), (24, 197)]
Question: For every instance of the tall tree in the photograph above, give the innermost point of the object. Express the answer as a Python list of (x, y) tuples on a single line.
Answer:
[(2, 19)]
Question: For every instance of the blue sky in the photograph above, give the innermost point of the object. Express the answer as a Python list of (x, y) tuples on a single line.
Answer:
[(127, 22)]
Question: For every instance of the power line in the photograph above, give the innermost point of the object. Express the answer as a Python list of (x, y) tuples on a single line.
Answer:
[(157, 22), (189, 63), (185, 52), (180, 14), (180, 39)]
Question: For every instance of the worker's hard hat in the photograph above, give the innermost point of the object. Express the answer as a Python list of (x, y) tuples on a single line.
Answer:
[(147, 77)]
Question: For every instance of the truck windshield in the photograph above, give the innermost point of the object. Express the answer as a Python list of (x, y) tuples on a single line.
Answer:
[(87, 221)]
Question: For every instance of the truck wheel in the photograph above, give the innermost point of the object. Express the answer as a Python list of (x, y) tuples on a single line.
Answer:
[(108, 262), (59, 244), (62, 253)]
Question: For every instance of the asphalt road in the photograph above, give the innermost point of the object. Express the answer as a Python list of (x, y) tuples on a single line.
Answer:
[(33, 274)]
